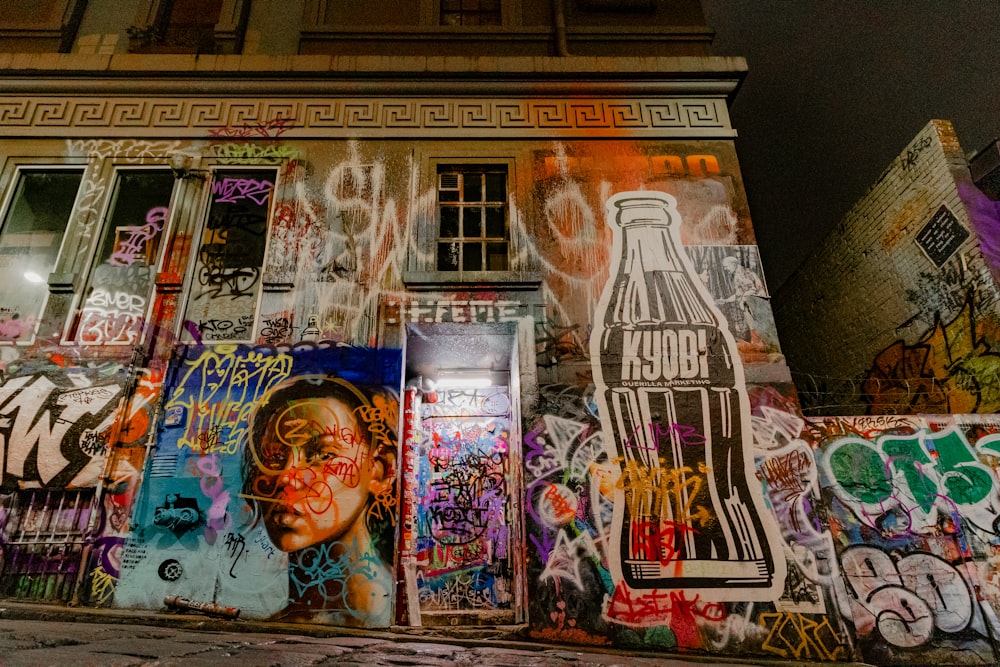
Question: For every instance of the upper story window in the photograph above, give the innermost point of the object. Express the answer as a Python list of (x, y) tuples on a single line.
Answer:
[(470, 12), (45, 244), (30, 237), (117, 293), (189, 26), (39, 25), (473, 229)]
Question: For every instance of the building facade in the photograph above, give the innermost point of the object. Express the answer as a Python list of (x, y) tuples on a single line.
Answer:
[(476, 334)]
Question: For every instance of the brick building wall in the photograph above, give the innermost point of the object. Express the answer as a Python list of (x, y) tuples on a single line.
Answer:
[(902, 332)]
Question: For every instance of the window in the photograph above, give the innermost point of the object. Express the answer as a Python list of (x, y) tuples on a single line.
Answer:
[(472, 218), (191, 24), (117, 293), (226, 282), (617, 5), (39, 25), (470, 12), (44, 536), (30, 237), (185, 26)]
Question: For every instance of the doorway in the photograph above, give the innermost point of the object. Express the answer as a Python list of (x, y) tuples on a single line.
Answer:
[(461, 517)]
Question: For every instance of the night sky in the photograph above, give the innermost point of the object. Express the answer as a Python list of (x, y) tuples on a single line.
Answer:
[(836, 90)]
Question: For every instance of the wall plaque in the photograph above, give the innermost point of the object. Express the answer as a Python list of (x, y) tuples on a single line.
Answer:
[(941, 236)]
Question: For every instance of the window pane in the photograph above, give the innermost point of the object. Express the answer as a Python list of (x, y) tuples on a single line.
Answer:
[(473, 222), (447, 257), (496, 256), (29, 243), (478, 184), (117, 292), (230, 256), (470, 12), (472, 187), (449, 221), (472, 257), (496, 187), (495, 223), (191, 24)]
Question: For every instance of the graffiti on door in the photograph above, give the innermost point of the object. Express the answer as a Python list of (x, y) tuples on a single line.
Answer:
[(464, 555)]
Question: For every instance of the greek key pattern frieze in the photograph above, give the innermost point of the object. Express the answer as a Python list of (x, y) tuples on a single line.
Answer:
[(74, 116)]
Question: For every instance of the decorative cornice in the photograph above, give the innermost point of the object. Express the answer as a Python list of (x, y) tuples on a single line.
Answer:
[(384, 117), (259, 85), (312, 75), (184, 96)]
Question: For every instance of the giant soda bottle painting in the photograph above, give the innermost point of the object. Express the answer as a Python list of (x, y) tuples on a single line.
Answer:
[(672, 398)]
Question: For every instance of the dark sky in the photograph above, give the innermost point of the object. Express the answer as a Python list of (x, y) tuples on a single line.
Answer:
[(836, 90)]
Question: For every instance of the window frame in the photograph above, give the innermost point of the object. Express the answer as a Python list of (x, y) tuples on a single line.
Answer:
[(108, 174), (9, 180), (460, 12), (190, 283), (152, 18), (463, 206), (421, 272)]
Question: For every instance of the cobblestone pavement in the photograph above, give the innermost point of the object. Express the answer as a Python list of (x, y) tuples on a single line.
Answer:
[(35, 643), (33, 634)]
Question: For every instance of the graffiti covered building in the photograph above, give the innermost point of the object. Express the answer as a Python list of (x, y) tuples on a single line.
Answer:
[(905, 497), (295, 324), (922, 246)]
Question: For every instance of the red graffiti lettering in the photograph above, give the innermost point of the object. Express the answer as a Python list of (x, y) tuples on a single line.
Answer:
[(657, 539), (562, 509), (659, 607)]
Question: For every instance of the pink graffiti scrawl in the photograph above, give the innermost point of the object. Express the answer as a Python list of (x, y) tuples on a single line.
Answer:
[(232, 190), (135, 245)]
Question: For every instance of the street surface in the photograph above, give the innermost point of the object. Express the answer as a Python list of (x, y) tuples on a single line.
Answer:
[(31, 643)]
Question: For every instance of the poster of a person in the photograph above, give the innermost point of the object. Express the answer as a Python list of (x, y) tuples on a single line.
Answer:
[(751, 299)]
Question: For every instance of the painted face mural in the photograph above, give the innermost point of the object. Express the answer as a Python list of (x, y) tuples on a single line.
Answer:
[(272, 485), (317, 471), (319, 462)]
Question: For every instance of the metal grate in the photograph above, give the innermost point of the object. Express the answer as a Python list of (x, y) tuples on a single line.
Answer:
[(42, 539)]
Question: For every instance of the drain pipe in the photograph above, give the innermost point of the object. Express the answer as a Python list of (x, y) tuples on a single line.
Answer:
[(559, 19)]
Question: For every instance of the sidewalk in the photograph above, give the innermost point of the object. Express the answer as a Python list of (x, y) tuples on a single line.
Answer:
[(507, 637)]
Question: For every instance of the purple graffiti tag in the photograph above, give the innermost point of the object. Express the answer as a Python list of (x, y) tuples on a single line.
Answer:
[(134, 245), (192, 328), (231, 190), (272, 128), (214, 488)]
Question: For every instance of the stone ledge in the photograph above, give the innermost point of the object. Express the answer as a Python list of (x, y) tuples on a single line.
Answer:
[(658, 66)]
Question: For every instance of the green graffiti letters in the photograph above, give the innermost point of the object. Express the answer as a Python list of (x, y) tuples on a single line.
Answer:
[(860, 470), (919, 469)]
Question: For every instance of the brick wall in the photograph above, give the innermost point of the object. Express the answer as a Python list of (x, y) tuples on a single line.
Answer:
[(869, 323)]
